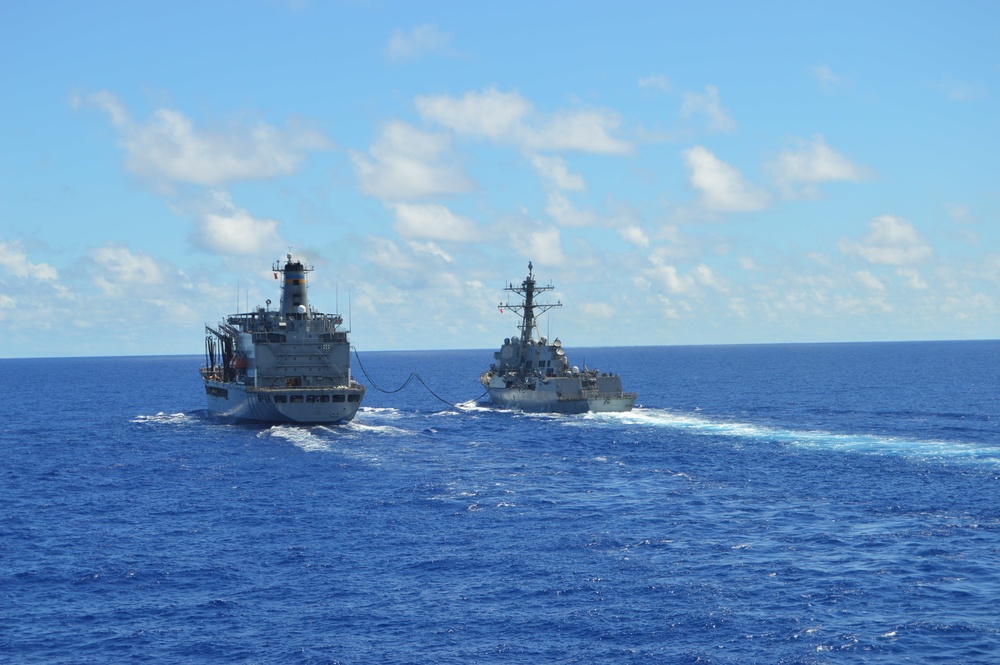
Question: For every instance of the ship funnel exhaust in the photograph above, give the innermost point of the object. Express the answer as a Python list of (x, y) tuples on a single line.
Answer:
[(294, 289)]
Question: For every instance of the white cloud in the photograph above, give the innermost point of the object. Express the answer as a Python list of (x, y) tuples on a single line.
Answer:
[(584, 131), (510, 118), (120, 271), (656, 82), (709, 104), (435, 222), (168, 148), (431, 249), (707, 277), (15, 261), (492, 114), (671, 244), (891, 241), (668, 277), (869, 280), (107, 102), (563, 213), (722, 187), (385, 254), (912, 279), (555, 172), (635, 236), (676, 283), (407, 163), (228, 229), (417, 42), (543, 246), (809, 163), (556, 176), (828, 79)]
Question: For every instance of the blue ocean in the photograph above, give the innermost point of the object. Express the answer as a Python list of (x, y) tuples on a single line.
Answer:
[(813, 503)]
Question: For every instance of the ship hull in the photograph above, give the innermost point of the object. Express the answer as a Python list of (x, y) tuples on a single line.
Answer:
[(559, 396), (524, 400), (321, 405)]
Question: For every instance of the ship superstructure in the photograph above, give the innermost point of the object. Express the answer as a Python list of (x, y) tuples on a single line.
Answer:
[(292, 364), (531, 374)]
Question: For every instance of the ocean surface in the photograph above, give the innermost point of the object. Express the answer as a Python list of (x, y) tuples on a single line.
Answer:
[(827, 503)]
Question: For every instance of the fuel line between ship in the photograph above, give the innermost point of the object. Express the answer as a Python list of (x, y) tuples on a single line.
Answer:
[(413, 375)]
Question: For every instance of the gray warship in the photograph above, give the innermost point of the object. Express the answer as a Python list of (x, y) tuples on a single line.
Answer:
[(533, 375), (292, 365)]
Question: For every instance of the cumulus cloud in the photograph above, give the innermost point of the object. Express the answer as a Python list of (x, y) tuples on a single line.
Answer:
[(510, 118), (869, 280), (417, 42), (676, 283), (721, 186), (912, 279), (225, 228), (798, 170), (635, 236), (169, 148), (583, 131), (407, 163), (435, 222), (543, 246), (491, 114), (430, 249), (387, 255), (557, 178), (15, 261), (709, 104), (707, 277), (563, 213), (556, 174), (120, 271), (827, 78), (891, 241), (669, 278)]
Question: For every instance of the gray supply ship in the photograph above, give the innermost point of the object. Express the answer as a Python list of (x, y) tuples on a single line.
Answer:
[(532, 375), (292, 365)]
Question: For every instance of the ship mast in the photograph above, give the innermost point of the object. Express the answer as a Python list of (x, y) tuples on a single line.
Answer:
[(529, 309)]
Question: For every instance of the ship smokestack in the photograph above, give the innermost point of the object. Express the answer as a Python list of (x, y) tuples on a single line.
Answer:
[(294, 290)]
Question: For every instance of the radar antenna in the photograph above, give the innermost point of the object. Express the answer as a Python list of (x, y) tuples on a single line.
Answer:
[(528, 309)]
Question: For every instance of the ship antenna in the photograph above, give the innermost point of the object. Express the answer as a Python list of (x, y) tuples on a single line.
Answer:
[(529, 308)]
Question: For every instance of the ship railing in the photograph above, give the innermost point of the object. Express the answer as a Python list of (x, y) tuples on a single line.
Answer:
[(211, 374)]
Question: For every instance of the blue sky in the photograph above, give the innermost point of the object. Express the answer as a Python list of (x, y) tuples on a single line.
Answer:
[(683, 173)]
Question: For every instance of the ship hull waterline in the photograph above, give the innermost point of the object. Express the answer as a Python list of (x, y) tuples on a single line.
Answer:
[(530, 401), (238, 402)]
